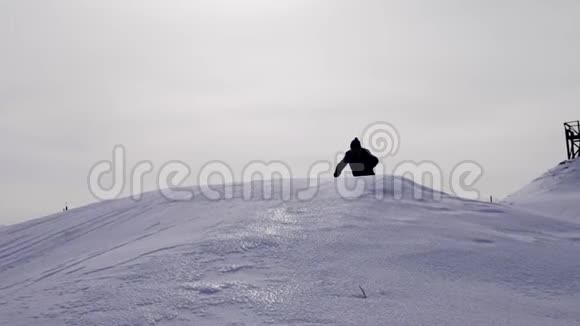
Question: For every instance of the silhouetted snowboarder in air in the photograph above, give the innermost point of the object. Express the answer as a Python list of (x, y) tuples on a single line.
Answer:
[(361, 161)]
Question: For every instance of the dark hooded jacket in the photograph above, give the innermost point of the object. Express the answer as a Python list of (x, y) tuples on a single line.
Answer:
[(361, 161)]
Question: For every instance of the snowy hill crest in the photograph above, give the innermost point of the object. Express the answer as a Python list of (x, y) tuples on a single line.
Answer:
[(555, 193), (258, 262)]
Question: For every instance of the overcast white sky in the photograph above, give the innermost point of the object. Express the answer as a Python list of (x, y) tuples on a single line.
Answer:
[(292, 80)]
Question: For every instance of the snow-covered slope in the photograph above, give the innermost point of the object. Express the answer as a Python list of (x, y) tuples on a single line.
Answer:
[(274, 262), (556, 193)]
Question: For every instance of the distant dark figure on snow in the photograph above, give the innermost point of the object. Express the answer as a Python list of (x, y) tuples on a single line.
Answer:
[(361, 161)]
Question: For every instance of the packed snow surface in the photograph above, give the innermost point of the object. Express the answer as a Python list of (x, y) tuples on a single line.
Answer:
[(421, 261), (556, 193)]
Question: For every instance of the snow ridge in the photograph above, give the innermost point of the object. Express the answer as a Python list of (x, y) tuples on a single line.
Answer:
[(556, 193), (292, 262)]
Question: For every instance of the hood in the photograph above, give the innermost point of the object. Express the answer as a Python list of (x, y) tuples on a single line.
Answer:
[(355, 144)]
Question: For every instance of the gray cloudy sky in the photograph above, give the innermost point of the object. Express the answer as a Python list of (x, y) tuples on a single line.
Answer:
[(294, 80)]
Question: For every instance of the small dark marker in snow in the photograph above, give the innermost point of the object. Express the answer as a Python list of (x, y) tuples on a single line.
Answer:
[(363, 292)]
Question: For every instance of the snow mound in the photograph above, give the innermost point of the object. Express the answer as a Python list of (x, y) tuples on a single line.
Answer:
[(556, 193), (257, 261)]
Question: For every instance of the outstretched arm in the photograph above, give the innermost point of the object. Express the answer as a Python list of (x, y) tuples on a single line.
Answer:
[(341, 165), (374, 161)]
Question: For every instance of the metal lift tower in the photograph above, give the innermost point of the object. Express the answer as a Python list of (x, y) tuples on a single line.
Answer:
[(573, 139)]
